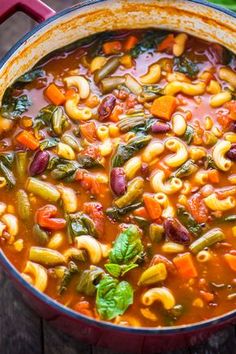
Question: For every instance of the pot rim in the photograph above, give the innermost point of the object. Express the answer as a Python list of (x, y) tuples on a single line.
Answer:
[(15, 274)]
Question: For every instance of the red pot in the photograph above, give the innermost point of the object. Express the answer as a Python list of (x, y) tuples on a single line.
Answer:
[(56, 30)]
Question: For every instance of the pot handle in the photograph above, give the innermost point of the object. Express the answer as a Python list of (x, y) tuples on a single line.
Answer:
[(36, 9)]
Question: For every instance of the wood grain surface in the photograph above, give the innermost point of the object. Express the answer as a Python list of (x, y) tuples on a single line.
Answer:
[(21, 330)]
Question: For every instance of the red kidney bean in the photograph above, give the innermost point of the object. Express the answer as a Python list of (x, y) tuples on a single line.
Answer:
[(118, 181), (39, 163), (160, 128), (232, 126), (231, 154), (176, 232), (106, 107)]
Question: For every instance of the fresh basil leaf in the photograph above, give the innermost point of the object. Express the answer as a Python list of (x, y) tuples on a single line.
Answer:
[(186, 66), (13, 107), (48, 143), (125, 151), (88, 280), (127, 247), (30, 76), (189, 222), (53, 117), (113, 298), (117, 270), (148, 42)]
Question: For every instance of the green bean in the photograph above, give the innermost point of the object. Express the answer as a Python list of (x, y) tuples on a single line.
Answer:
[(107, 69), (130, 122), (133, 85), (187, 169), (110, 83), (23, 204), (206, 240), (134, 191), (46, 256), (71, 141), (40, 236), (156, 232), (59, 121), (42, 189), (21, 164), (153, 275)]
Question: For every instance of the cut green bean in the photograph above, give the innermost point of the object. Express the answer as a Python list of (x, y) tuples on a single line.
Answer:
[(156, 232), (21, 164), (110, 83), (46, 256), (23, 204), (134, 191), (9, 176), (107, 69), (42, 189), (206, 240)]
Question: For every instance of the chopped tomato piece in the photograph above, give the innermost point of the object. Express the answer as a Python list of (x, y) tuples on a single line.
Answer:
[(88, 131), (44, 217), (197, 208)]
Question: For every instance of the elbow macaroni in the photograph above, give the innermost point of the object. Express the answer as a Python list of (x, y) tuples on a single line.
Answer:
[(74, 112), (163, 295), (158, 183), (80, 83), (92, 246), (132, 166), (228, 75), (179, 46), (181, 152), (152, 151), (218, 155), (38, 274), (152, 76), (213, 203), (168, 210), (175, 87)]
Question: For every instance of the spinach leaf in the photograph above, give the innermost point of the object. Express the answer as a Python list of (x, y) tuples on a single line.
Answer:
[(64, 169), (113, 298), (127, 247), (188, 135), (13, 107), (7, 158), (30, 76), (80, 224), (150, 93), (71, 270), (209, 162), (6, 173), (125, 151), (88, 280), (186, 66), (48, 143), (186, 169), (116, 213), (53, 117), (146, 127), (189, 222), (86, 161), (117, 270), (148, 42)]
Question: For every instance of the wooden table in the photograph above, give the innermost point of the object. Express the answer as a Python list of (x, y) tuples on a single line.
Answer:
[(21, 330)]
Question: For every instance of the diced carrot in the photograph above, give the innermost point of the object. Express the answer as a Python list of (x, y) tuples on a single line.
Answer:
[(231, 106), (127, 61), (152, 206), (213, 176), (55, 95), (112, 47), (130, 43), (163, 107), (69, 93), (28, 140), (88, 131), (185, 266), (223, 120), (114, 117), (142, 212), (207, 296), (167, 43), (231, 261)]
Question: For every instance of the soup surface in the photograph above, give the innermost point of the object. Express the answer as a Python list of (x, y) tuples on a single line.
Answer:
[(117, 177)]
